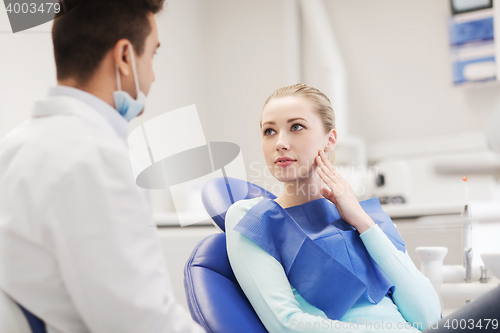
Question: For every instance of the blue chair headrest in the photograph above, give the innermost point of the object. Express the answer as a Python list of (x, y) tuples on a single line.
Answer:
[(220, 193)]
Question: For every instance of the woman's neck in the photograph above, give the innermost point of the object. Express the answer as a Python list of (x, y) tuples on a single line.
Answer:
[(300, 191)]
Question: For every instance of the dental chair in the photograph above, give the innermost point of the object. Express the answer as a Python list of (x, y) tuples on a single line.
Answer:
[(16, 319), (214, 297)]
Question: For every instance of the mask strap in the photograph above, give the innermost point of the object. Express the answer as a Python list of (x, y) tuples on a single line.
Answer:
[(118, 80), (136, 78)]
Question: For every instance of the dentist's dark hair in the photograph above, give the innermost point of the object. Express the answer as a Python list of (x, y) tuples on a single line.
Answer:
[(85, 30)]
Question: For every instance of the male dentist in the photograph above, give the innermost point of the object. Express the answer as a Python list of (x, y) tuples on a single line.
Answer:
[(78, 246)]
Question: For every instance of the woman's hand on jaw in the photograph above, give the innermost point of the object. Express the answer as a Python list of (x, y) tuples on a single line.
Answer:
[(339, 192)]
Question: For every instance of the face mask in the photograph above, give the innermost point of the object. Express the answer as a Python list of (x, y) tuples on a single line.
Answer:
[(128, 107)]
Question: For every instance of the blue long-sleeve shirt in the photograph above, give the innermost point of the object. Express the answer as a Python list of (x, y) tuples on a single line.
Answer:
[(282, 309)]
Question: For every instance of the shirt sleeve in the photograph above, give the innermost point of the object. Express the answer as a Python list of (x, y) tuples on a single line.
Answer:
[(413, 294), (108, 251), (266, 285)]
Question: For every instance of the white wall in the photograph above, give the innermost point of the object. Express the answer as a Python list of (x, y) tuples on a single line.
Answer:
[(399, 67), (245, 54), (180, 70), (27, 69)]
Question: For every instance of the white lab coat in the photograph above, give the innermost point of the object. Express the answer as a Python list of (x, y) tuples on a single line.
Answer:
[(78, 246)]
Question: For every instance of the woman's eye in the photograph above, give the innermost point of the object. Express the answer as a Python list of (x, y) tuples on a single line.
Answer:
[(269, 131), (297, 127)]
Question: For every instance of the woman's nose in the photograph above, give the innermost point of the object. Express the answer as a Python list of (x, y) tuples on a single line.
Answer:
[(282, 144)]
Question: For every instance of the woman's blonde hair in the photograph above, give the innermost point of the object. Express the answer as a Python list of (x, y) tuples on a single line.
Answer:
[(321, 104)]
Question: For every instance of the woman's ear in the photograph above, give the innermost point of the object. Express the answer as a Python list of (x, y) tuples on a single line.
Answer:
[(332, 141)]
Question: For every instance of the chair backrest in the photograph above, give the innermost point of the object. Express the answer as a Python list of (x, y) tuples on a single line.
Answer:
[(220, 193), (215, 299)]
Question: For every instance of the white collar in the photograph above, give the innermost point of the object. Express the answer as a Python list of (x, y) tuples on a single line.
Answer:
[(113, 118)]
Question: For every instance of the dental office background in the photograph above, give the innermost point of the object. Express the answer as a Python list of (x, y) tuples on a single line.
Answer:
[(388, 67)]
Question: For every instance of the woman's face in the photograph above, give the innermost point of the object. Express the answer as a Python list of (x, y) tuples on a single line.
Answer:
[(292, 135)]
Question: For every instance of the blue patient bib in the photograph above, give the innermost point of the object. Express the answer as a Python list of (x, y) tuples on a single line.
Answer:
[(322, 255)]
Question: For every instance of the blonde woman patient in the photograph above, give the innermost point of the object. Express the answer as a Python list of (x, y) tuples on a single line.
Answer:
[(315, 259)]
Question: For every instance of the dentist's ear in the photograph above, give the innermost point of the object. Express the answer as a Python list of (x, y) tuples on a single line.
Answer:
[(332, 141), (121, 56)]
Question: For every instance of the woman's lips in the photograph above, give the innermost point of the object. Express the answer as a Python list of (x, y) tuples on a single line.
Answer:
[(285, 163)]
